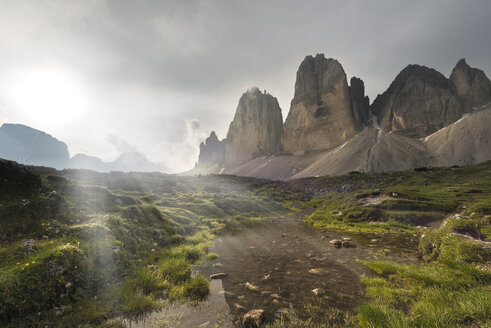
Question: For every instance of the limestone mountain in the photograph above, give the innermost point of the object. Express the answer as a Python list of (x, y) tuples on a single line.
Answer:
[(322, 114), (257, 128), (418, 103), (23, 144), (421, 100), (471, 85), (422, 119), (211, 151)]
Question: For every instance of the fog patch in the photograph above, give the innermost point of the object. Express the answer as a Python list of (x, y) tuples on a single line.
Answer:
[(182, 155)]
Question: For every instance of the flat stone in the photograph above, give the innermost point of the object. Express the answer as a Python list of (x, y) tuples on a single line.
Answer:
[(239, 307), (220, 275), (317, 271), (252, 287)]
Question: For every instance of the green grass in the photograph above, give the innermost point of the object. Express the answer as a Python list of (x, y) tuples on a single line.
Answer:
[(123, 243), (126, 242), (450, 290)]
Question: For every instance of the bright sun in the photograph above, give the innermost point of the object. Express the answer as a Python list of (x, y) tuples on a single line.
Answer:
[(48, 97)]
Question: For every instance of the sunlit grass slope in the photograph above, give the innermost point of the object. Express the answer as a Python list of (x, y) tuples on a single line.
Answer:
[(110, 245)]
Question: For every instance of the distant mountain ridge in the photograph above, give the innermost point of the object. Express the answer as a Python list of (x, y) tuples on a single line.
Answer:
[(26, 145), (422, 119)]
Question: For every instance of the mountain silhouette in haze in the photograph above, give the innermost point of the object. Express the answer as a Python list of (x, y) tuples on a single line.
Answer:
[(26, 145)]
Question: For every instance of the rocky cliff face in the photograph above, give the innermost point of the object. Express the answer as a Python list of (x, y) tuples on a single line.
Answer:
[(211, 151), (421, 100), (257, 128), (435, 120), (321, 114), (360, 103), (418, 103), (471, 85)]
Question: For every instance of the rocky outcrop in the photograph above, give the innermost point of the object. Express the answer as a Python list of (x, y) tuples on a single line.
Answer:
[(26, 145), (256, 130), (321, 114), (211, 151), (418, 103), (360, 103), (471, 85), (424, 119)]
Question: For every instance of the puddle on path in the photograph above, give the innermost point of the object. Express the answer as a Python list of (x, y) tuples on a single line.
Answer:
[(285, 259)]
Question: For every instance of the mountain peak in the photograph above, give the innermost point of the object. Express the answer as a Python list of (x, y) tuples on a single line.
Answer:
[(257, 127), (320, 106), (471, 85)]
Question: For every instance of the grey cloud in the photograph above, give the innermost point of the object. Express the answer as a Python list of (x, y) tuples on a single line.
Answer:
[(169, 61)]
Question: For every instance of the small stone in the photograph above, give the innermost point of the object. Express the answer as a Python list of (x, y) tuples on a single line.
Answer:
[(373, 240), (317, 271), (218, 265), (336, 243), (283, 235), (251, 287), (275, 296), (153, 249), (265, 292), (395, 194), (348, 244), (347, 239), (220, 275), (239, 307), (253, 318), (241, 297), (266, 277), (319, 291)]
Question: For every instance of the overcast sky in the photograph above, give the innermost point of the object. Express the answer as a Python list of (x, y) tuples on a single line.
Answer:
[(158, 76)]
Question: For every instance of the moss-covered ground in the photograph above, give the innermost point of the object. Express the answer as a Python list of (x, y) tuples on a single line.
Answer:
[(111, 246), (447, 209), (119, 244)]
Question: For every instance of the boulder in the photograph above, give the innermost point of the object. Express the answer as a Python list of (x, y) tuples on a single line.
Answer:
[(29, 247), (253, 318)]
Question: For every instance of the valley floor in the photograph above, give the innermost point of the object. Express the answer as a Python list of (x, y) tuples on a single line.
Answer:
[(88, 249)]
